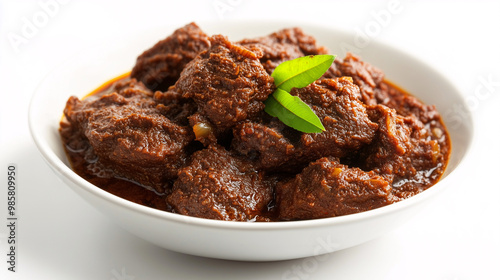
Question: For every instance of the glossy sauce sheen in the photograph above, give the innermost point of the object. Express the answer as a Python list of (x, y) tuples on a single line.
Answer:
[(168, 136)]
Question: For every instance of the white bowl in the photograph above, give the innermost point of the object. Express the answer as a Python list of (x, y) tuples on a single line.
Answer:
[(240, 240)]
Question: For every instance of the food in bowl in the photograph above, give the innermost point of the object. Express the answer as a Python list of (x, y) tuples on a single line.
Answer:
[(187, 132)]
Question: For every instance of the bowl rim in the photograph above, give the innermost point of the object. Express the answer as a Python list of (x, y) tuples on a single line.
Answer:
[(60, 167)]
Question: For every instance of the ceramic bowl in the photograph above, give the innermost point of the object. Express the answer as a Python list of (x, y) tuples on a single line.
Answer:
[(239, 240)]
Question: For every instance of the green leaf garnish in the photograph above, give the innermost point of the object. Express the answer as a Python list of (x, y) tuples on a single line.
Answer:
[(293, 112), (301, 71), (297, 73)]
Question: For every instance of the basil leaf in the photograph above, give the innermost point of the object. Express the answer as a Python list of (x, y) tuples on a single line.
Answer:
[(293, 112), (301, 71)]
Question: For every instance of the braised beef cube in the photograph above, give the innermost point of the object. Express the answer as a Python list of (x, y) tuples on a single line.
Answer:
[(364, 75), (227, 82), (421, 167), (392, 141), (175, 107), (160, 66), (271, 144), (327, 189), (217, 185), (347, 126), (130, 136), (402, 152), (78, 112), (146, 143), (284, 45), (405, 104)]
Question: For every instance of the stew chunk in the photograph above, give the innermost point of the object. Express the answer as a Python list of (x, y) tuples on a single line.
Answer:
[(326, 189), (160, 66), (402, 151), (216, 185), (228, 84), (286, 44), (129, 134), (366, 76)]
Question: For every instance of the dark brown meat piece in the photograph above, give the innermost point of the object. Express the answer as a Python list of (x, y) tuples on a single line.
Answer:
[(402, 152), (405, 104), (347, 126), (284, 45), (327, 189), (393, 140), (271, 143), (174, 106), (227, 82), (129, 134), (364, 75), (160, 66), (335, 102), (216, 185)]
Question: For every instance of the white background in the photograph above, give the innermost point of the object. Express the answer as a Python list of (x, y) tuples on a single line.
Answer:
[(61, 237)]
